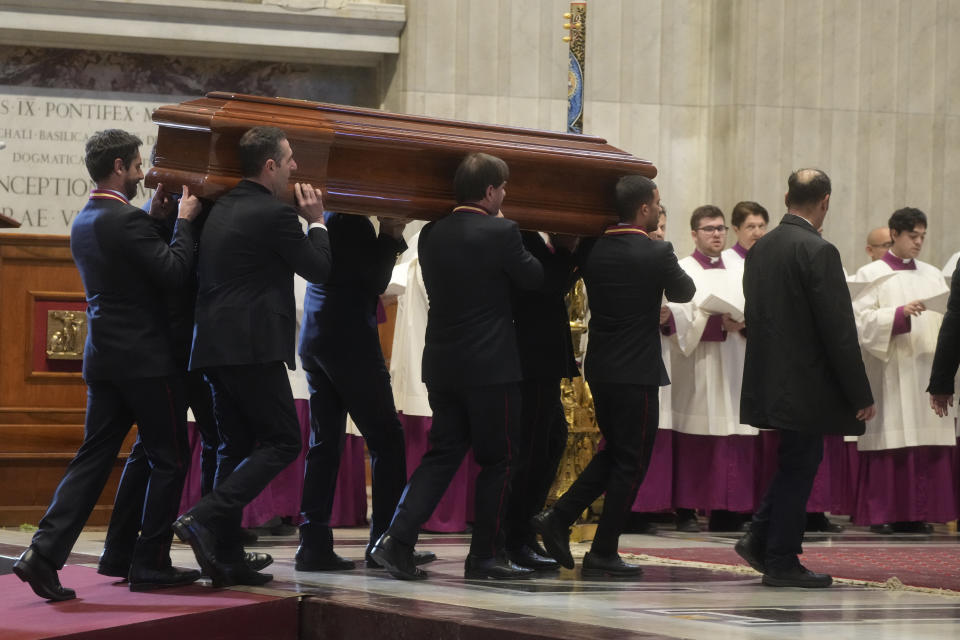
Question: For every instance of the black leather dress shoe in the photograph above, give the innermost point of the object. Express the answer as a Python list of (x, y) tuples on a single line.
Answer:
[(113, 567), (35, 570), (329, 561), (419, 558), (498, 568), (527, 557), (751, 549), (143, 579), (537, 547), (556, 536), (257, 561), (397, 558), (201, 540), (913, 526), (597, 566), (818, 521), (798, 576), (883, 529), (688, 523), (237, 573)]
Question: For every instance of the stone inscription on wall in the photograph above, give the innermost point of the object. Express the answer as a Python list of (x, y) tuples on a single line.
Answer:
[(43, 179)]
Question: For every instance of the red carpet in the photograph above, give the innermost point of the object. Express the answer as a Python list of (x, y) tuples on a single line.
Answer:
[(108, 610), (934, 567)]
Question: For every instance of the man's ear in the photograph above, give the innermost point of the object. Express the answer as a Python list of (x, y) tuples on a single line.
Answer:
[(118, 167)]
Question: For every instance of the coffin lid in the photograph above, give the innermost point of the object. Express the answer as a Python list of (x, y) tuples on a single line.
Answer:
[(379, 163)]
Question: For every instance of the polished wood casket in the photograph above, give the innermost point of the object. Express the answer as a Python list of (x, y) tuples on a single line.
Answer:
[(377, 163), (6, 222)]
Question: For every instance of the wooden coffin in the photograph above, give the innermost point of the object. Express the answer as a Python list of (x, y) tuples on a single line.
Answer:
[(6, 222), (377, 163)]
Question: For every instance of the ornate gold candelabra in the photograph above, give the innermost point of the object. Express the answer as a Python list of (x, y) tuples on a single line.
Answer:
[(583, 436)]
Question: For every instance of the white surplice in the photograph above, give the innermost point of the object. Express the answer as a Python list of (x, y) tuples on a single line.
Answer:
[(899, 366), (666, 396), (707, 376), (409, 334), (732, 259), (951, 265)]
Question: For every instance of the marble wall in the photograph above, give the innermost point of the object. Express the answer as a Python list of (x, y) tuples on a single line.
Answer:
[(183, 77), (726, 97)]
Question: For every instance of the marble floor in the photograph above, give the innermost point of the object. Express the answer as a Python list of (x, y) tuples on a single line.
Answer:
[(670, 600)]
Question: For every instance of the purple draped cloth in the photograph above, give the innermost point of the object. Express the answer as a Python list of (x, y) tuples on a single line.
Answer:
[(714, 472), (834, 488), (900, 485), (282, 496), (656, 492), (733, 472), (455, 509)]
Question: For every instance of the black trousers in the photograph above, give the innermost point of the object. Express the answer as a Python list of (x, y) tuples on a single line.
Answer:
[(354, 381), (157, 406), (200, 400), (543, 438), (121, 538), (488, 419), (627, 416), (780, 520), (260, 434)]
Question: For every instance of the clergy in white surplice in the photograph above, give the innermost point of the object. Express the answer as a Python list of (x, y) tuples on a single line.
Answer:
[(749, 221), (905, 477), (714, 455)]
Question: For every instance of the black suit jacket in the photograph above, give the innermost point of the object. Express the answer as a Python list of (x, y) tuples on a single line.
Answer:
[(251, 245), (542, 321), (946, 358), (127, 269), (803, 369), (626, 278), (346, 304), (469, 262)]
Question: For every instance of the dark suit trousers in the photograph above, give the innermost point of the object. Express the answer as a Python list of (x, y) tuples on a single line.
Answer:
[(543, 438), (260, 433), (780, 520), (156, 405), (488, 419), (353, 380), (124, 526), (627, 416)]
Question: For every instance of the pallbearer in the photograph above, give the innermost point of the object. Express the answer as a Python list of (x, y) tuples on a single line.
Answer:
[(129, 367), (470, 259), (626, 274), (546, 356)]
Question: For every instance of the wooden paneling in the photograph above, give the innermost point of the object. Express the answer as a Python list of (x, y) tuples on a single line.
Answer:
[(41, 412)]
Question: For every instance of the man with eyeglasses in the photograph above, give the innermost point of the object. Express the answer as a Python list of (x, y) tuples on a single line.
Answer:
[(905, 479), (706, 351), (878, 243)]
